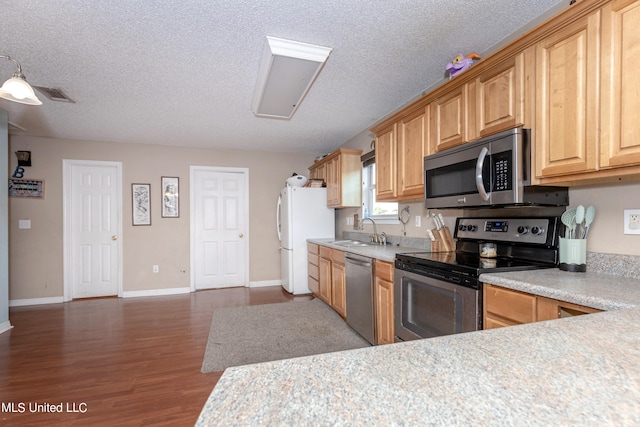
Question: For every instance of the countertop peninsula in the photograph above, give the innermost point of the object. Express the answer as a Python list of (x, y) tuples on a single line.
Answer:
[(574, 371)]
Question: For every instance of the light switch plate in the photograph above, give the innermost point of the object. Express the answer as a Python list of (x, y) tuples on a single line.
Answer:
[(418, 221), (24, 224), (632, 221)]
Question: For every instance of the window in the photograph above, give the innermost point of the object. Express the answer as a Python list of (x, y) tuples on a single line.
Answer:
[(381, 212)]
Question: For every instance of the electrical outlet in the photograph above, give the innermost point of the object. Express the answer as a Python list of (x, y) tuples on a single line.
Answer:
[(156, 269), (632, 221), (418, 221)]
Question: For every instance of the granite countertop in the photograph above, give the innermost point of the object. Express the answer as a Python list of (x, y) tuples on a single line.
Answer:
[(574, 371), (381, 252)]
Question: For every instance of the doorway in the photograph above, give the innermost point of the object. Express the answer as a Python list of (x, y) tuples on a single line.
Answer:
[(219, 227), (92, 204)]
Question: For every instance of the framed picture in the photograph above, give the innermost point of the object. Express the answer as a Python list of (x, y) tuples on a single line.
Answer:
[(141, 203), (170, 197), (32, 188)]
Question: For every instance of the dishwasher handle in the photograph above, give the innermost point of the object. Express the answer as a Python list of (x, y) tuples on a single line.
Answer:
[(357, 260)]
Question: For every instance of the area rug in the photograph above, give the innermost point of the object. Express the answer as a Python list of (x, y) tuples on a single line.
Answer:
[(262, 333)]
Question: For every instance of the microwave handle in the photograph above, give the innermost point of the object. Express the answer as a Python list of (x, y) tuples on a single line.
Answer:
[(479, 180)]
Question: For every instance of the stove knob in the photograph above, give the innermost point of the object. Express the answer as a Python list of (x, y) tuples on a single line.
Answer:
[(523, 229), (462, 227), (472, 228), (536, 230)]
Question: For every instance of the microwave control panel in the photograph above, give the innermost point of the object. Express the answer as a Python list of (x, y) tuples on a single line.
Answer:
[(502, 171)]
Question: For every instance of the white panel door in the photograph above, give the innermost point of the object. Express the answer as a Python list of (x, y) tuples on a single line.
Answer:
[(92, 217), (219, 208)]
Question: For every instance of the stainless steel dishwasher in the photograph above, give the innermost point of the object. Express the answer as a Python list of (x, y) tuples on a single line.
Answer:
[(359, 274)]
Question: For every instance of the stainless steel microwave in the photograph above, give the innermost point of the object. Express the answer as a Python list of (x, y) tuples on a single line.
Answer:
[(492, 171)]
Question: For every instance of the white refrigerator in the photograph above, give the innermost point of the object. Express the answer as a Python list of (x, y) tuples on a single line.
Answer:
[(302, 214)]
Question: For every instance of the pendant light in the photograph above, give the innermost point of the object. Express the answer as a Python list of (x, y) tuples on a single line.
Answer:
[(17, 89)]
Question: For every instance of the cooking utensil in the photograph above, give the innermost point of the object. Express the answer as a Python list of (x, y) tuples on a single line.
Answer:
[(579, 220), (588, 219), (568, 218)]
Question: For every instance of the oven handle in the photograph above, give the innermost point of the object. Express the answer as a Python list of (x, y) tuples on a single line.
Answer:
[(479, 166)]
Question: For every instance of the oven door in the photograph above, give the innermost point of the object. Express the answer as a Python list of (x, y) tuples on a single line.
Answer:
[(426, 307)]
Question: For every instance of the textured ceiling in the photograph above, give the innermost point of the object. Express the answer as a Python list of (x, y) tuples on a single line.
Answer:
[(183, 72)]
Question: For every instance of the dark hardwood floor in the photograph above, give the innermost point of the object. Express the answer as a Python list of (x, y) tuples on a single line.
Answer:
[(124, 362)]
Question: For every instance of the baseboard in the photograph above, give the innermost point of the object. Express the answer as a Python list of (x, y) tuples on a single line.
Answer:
[(5, 326), (155, 292), (264, 283), (35, 301)]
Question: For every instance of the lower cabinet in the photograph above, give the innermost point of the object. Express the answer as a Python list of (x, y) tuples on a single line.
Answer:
[(506, 307), (338, 283), (383, 301), (325, 274), (313, 252), (330, 278)]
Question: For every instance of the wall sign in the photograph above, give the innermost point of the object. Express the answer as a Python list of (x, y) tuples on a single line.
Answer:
[(33, 188)]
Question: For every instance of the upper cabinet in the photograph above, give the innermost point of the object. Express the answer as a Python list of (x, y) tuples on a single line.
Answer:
[(342, 172), (586, 101), (487, 104), (500, 97), (566, 99), (400, 150), (571, 80), (620, 103), (449, 117)]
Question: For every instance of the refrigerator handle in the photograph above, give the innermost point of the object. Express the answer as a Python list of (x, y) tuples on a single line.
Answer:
[(278, 215)]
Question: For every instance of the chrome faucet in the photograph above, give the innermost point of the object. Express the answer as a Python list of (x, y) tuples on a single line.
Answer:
[(374, 237)]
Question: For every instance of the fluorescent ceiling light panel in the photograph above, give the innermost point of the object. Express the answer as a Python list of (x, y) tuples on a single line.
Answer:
[(287, 71)]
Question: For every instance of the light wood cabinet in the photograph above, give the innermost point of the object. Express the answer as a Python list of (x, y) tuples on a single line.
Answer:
[(386, 169), (449, 115), (566, 99), (400, 151), (338, 283), (620, 103), (412, 146), (571, 80), (499, 98), (586, 101), (313, 269), (325, 274), (506, 307), (331, 278), (342, 173), (384, 304)]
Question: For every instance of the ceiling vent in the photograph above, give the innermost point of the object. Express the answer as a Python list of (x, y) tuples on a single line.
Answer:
[(13, 128), (54, 94)]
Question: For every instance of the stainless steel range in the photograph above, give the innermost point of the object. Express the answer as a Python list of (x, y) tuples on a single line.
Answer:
[(438, 293)]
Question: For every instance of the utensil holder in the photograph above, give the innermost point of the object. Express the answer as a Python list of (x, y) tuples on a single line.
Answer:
[(573, 255)]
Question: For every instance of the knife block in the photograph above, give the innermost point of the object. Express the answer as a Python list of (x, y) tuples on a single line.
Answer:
[(444, 241)]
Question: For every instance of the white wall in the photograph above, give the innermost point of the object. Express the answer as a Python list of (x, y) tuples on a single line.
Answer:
[(4, 225)]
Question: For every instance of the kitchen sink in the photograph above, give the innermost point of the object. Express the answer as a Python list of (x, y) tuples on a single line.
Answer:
[(350, 243)]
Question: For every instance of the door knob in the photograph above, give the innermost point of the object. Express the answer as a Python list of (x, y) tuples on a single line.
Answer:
[(114, 237), (241, 235)]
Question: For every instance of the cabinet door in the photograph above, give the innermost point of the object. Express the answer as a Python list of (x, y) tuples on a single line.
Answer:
[(338, 289), (448, 119), (384, 311), (332, 170), (313, 273), (386, 164), (549, 309), (507, 307), (325, 278), (412, 138), (620, 102), (566, 99), (500, 97)]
